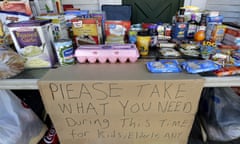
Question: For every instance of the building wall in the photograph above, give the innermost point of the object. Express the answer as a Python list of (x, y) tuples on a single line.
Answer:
[(90, 4), (230, 9)]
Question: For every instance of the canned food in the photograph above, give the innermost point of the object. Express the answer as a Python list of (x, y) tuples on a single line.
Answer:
[(65, 51)]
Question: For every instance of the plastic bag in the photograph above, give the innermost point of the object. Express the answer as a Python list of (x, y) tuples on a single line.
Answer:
[(18, 124), (163, 66), (219, 110)]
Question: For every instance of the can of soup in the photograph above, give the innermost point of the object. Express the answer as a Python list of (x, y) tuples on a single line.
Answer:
[(65, 52)]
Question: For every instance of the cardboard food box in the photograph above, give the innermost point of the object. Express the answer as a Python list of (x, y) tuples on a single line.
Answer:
[(121, 104), (22, 6), (116, 31), (59, 25), (32, 40), (86, 30)]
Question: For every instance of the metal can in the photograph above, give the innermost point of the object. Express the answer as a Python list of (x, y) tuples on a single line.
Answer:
[(50, 137), (65, 51)]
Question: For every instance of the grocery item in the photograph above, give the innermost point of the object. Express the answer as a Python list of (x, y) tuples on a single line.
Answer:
[(202, 25), (191, 27), (198, 66), (179, 31), (104, 53), (143, 42), (166, 45), (32, 40), (152, 30), (116, 31), (86, 31), (9, 17), (163, 66), (169, 52), (11, 63), (59, 26), (227, 71), (199, 36), (188, 46), (207, 49), (50, 137), (22, 6), (190, 52), (218, 33), (65, 51)]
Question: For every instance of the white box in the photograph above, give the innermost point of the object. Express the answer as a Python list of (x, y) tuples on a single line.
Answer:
[(32, 40)]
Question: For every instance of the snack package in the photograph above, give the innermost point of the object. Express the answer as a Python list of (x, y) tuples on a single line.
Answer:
[(207, 49), (198, 66), (164, 66), (115, 31), (169, 52), (227, 71), (191, 52)]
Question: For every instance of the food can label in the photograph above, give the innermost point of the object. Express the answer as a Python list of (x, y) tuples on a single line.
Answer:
[(64, 50)]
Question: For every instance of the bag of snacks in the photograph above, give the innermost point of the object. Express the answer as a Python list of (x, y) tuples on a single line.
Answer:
[(163, 66), (198, 66)]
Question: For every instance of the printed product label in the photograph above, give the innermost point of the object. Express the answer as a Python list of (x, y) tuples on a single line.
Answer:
[(27, 38), (191, 30)]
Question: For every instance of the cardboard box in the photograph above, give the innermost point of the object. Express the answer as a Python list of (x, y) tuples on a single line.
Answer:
[(86, 30), (32, 40), (120, 104), (59, 25), (116, 31)]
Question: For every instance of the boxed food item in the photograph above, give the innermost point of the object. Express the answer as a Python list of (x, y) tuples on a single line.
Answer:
[(110, 52), (59, 25), (179, 31), (115, 31), (86, 31), (32, 40), (48, 6), (9, 17), (218, 33), (22, 6)]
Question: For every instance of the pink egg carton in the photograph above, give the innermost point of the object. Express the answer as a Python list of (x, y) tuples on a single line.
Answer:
[(110, 52)]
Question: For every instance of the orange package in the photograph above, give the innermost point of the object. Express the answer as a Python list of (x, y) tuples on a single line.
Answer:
[(227, 71)]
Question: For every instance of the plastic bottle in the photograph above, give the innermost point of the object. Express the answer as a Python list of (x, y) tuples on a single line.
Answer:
[(192, 27), (152, 30)]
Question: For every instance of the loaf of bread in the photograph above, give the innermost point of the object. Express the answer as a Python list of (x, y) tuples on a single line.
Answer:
[(11, 63)]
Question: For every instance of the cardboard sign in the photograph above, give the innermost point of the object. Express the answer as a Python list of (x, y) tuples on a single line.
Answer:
[(141, 111)]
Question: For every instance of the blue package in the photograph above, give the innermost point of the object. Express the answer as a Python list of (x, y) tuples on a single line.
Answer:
[(179, 31), (78, 13), (164, 66), (198, 66)]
